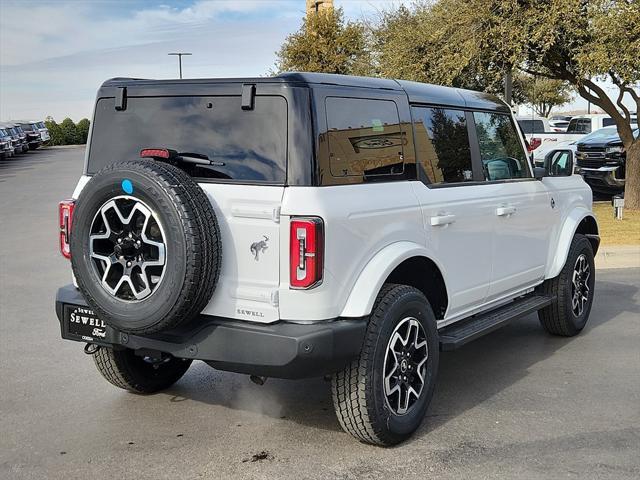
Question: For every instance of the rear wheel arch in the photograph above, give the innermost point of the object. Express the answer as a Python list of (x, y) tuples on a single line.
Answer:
[(405, 263), (423, 274)]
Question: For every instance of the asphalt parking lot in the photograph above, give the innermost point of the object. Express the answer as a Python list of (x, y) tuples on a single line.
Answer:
[(517, 403)]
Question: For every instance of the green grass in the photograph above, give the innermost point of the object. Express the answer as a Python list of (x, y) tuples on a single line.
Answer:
[(617, 232)]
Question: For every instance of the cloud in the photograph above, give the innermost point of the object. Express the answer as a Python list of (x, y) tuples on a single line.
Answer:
[(55, 54), (53, 63)]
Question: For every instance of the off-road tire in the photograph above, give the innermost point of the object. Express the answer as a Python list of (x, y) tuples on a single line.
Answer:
[(559, 317), (358, 390), (194, 248), (126, 370)]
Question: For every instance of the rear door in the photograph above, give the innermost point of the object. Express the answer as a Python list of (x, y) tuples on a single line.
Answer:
[(245, 184), (520, 207), (457, 212)]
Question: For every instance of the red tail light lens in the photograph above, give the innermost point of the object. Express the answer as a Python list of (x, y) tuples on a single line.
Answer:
[(306, 257), (534, 143), (155, 153), (65, 215)]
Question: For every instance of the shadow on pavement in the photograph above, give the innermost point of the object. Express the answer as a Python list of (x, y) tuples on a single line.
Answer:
[(467, 377)]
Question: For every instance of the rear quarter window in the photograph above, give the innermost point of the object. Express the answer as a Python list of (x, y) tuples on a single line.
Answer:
[(365, 137), (248, 145)]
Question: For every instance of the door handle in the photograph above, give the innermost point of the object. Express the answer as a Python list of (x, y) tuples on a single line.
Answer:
[(504, 211), (442, 220)]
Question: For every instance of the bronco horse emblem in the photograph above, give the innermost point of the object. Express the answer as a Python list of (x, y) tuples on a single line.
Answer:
[(259, 247)]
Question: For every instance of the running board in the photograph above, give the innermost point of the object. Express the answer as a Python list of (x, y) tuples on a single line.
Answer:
[(462, 332)]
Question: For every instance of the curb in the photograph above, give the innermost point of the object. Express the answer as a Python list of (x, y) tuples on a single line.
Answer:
[(618, 256), (61, 147)]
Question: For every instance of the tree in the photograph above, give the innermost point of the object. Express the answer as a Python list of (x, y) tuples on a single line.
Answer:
[(326, 43), (543, 94), (69, 132), (411, 44), (83, 130), (573, 41), (55, 132)]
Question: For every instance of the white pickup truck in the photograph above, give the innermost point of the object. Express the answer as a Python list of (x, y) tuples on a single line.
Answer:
[(542, 143)]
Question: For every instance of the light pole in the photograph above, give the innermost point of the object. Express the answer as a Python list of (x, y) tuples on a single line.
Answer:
[(179, 55)]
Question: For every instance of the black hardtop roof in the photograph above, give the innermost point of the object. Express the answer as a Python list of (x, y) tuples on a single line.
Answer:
[(415, 91)]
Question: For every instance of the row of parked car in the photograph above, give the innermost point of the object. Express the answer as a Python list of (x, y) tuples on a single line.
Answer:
[(20, 136), (592, 139)]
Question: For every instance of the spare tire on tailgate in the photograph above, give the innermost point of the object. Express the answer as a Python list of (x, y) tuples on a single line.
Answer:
[(145, 246)]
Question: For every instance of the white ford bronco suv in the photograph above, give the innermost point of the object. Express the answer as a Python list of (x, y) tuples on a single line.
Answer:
[(315, 225)]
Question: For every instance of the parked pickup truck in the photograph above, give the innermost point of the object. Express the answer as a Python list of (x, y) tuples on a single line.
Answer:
[(601, 159), (542, 143)]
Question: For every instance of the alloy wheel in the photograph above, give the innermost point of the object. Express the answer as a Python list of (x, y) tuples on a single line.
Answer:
[(127, 248), (580, 285), (405, 365)]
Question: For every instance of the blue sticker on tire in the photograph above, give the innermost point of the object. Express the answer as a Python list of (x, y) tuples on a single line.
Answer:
[(127, 186)]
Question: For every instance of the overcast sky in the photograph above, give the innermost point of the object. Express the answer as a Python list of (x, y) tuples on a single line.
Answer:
[(55, 54)]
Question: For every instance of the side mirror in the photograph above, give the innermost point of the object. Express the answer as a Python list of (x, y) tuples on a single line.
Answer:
[(539, 173), (559, 163)]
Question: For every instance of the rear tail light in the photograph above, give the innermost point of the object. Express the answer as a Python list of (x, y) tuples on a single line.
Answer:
[(65, 215), (534, 143), (306, 257), (155, 153)]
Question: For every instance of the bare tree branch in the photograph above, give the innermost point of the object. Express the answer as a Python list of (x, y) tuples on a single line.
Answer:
[(622, 106), (630, 90), (623, 88)]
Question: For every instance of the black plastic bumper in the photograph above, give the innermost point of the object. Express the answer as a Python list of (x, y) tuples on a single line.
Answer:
[(602, 180), (282, 349)]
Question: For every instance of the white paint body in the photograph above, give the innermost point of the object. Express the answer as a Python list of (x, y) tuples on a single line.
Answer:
[(492, 243)]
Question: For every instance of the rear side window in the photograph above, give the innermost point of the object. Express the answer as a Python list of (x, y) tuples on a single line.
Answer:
[(442, 144), (501, 150), (365, 137), (247, 145), (531, 126), (579, 125)]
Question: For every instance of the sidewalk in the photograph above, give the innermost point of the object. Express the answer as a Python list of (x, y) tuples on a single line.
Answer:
[(618, 256)]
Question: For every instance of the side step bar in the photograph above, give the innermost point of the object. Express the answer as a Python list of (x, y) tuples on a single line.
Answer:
[(462, 332)]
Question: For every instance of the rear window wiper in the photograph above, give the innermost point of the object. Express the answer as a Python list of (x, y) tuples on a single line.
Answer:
[(178, 157)]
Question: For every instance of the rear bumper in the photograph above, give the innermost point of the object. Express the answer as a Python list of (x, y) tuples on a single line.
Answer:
[(281, 349)]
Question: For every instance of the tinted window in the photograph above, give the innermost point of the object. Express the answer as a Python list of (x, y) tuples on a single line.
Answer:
[(442, 144), (501, 149), (579, 125), (251, 145), (364, 136), (531, 126)]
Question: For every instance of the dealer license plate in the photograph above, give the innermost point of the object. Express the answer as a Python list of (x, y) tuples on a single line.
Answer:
[(81, 321)]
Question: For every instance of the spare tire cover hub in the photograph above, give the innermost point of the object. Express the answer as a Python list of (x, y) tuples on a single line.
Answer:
[(127, 247)]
